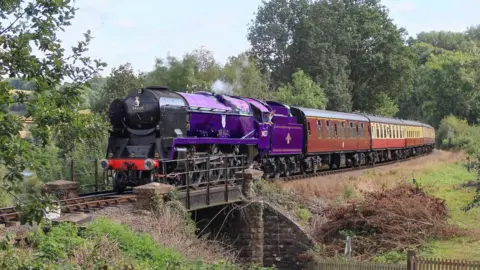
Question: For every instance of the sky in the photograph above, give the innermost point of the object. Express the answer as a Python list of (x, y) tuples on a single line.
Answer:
[(140, 31)]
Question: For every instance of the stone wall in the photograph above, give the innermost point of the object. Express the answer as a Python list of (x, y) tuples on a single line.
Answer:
[(283, 240), (264, 235)]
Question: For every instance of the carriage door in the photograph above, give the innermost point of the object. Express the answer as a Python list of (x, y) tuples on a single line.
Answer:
[(357, 137)]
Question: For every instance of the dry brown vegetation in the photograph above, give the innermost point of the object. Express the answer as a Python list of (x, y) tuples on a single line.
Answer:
[(350, 185), (390, 220), (169, 229), (105, 250), (378, 207)]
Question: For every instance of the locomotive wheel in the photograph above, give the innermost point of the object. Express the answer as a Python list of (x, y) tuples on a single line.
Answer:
[(146, 177), (277, 168), (119, 182), (197, 175)]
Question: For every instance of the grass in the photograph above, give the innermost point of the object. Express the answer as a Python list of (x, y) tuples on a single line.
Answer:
[(439, 174), (444, 182)]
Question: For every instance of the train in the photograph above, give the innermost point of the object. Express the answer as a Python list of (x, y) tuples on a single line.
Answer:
[(155, 129)]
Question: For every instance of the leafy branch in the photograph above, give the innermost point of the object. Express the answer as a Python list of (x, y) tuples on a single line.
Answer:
[(35, 25)]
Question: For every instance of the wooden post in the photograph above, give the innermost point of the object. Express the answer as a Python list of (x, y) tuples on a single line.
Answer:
[(208, 179), (72, 169), (226, 178), (188, 182), (411, 260), (243, 170), (96, 174)]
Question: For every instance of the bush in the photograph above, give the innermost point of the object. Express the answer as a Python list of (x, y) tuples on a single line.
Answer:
[(456, 134)]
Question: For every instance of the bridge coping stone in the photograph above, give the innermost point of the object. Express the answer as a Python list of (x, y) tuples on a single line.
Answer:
[(249, 177), (63, 189), (145, 194)]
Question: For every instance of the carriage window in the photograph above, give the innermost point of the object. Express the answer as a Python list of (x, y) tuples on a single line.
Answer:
[(378, 131), (309, 129), (336, 131), (358, 132), (328, 128), (351, 131), (384, 131), (362, 130), (342, 130), (319, 128)]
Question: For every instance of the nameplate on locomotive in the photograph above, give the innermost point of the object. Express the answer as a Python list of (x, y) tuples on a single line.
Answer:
[(136, 105), (223, 133)]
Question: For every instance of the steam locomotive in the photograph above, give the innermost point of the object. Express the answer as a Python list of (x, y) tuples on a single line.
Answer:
[(155, 129)]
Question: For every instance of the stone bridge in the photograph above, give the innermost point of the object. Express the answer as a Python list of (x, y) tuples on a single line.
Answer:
[(258, 230)]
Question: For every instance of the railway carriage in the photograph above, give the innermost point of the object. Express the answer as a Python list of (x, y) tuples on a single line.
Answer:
[(388, 140), (336, 138), (158, 130)]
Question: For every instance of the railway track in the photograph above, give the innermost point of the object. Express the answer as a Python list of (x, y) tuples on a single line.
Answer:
[(343, 170), (80, 204), (97, 200)]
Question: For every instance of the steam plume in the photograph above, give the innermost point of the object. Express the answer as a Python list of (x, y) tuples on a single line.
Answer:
[(221, 87)]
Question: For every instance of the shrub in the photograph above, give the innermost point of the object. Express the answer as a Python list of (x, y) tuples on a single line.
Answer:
[(456, 134)]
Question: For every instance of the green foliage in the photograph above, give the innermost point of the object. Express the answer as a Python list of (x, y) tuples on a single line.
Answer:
[(350, 48), (392, 257), (456, 134), (138, 246), (450, 86), (347, 192), (121, 81), (60, 242), (196, 71), (304, 215), (271, 34), (145, 251), (35, 24), (102, 244), (243, 74), (302, 92), (385, 106)]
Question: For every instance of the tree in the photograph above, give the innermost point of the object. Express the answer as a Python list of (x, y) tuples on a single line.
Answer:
[(121, 81), (302, 92), (195, 71), (245, 78), (23, 25), (350, 48), (271, 35), (450, 41), (450, 85)]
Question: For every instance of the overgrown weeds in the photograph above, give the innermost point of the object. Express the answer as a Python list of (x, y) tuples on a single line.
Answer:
[(386, 221), (103, 244)]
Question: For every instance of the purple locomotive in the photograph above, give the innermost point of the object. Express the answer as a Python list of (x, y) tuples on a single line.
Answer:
[(155, 124)]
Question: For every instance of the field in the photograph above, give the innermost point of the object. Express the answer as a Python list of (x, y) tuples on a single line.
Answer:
[(439, 174)]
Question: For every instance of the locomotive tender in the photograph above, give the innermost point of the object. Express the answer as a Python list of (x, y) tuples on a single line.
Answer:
[(154, 125)]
